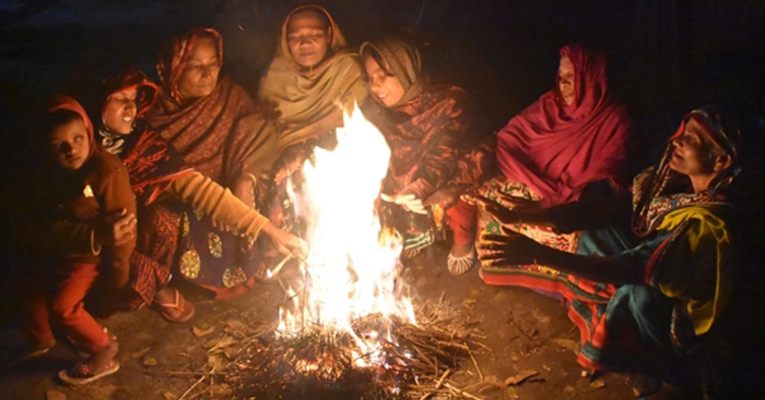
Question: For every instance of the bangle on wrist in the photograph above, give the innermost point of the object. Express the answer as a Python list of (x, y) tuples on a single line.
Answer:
[(94, 248)]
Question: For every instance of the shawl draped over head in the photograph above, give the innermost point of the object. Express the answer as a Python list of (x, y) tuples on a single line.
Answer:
[(152, 163), (697, 262), (430, 136), (557, 149), (68, 103), (306, 100), (211, 133), (660, 189), (404, 62)]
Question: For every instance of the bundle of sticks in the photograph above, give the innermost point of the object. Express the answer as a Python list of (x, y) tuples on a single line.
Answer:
[(324, 363)]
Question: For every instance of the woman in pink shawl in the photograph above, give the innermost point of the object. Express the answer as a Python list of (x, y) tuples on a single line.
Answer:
[(574, 136)]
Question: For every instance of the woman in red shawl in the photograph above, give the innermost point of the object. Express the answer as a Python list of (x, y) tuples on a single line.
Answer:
[(165, 186), (210, 119), (438, 150), (572, 137)]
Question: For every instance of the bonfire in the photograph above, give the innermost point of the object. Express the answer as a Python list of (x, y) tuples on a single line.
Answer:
[(347, 327)]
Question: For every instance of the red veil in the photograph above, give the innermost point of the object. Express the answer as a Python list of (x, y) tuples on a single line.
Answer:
[(557, 149)]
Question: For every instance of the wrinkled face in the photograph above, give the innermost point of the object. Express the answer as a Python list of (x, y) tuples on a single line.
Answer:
[(69, 144), (120, 111), (566, 80), (201, 72), (308, 39), (693, 154), (387, 88)]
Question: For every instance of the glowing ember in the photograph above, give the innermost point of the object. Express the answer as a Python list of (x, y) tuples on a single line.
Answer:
[(352, 268)]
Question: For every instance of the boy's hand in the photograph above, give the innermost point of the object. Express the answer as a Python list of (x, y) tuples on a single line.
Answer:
[(117, 228)]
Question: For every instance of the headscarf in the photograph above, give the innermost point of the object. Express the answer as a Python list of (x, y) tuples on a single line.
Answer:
[(208, 133), (557, 149), (403, 61), (171, 64), (68, 103), (661, 190), (337, 42), (152, 163), (305, 99), (146, 96)]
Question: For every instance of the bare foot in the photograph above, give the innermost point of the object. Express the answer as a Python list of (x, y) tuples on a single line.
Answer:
[(461, 250)]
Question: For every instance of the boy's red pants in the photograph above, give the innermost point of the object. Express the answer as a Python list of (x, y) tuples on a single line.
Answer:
[(61, 300), (463, 220)]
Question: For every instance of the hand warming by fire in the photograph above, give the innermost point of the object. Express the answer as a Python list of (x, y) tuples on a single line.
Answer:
[(358, 204)]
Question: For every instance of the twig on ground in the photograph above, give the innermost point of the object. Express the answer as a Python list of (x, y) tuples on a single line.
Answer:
[(477, 368), (183, 396), (461, 392)]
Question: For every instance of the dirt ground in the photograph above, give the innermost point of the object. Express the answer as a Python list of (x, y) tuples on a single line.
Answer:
[(161, 360)]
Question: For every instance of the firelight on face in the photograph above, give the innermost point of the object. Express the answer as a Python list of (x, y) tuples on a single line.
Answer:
[(693, 155), (566, 76), (387, 88), (308, 39), (200, 75), (69, 144), (120, 111)]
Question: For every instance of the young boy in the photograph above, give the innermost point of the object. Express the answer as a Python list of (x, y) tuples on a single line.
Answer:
[(84, 227)]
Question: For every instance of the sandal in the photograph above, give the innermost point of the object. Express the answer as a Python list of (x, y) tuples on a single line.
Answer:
[(460, 265), (81, 373), (180, 310)]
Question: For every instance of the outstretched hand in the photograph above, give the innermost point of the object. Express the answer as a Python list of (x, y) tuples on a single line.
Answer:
[(410, 202), (508, 249), (505, 216), (517, 203), (285, 242), (116, 228)]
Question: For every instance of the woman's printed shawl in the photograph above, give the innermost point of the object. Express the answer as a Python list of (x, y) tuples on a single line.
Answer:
[(558, 149), (306, 101), (151, 162), (206, 132), (428, 137)]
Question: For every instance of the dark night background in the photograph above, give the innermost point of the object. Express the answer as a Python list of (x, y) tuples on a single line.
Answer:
[(667, 56)]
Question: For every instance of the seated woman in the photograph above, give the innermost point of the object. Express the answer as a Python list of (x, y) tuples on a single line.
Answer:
[(163, 184), (309, 82), (210, 119), (573, 139), (437, 149), (675, 285), (212, 122), (305, 89)]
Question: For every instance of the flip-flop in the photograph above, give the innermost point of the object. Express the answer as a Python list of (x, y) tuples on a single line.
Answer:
[(80, 374), (184, 307)]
